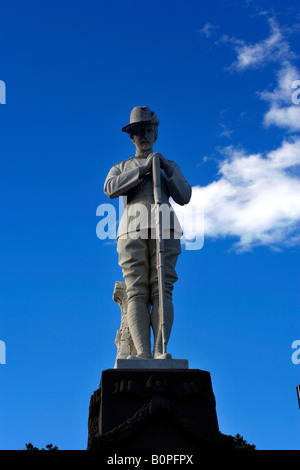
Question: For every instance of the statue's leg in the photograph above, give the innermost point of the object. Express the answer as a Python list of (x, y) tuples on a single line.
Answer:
[(134, 261), (138, 317), (172, 249)]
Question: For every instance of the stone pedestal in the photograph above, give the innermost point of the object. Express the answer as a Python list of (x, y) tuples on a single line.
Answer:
[(154, 410), (152, 364)]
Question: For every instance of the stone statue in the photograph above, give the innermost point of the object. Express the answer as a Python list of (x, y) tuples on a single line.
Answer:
[(137, 238)]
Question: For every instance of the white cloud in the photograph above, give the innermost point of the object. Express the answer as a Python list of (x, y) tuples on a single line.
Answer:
[(282, 93), (256, 199), (282, 112), (287, 117), (274, 48)]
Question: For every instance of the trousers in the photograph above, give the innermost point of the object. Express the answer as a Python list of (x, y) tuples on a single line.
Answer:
[(137, 258)]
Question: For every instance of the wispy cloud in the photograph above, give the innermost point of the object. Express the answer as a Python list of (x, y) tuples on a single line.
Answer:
[(281, 94), (274, 48), (208, 29), (226, 132), (256, 199)]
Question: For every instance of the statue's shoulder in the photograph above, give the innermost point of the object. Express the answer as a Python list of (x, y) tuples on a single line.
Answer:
[(124, 163), (172, 163), (122, 167)]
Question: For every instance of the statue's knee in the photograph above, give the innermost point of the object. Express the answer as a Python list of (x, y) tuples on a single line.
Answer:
[(142, 297)]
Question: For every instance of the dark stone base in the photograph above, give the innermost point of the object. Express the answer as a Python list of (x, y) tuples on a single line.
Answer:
[(154, 410)]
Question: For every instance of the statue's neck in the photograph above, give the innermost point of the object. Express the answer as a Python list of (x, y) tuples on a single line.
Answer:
[(143, 153)]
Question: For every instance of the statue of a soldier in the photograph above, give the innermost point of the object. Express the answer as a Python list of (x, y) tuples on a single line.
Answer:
[(136, 246)]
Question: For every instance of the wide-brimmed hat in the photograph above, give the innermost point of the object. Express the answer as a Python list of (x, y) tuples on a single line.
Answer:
[(140, 115)]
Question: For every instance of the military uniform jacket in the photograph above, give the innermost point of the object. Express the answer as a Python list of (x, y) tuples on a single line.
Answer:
[(124, 179)]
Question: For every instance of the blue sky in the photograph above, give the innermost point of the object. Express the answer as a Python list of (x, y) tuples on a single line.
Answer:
[(219, 75)]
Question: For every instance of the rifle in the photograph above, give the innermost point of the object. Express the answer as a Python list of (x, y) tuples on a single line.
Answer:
[(160, 253)]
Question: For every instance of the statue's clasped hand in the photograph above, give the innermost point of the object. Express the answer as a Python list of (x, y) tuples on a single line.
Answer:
[(168, 169), (147, 167)]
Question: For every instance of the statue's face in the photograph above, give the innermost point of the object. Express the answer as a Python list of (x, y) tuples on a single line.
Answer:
[(144, 137)]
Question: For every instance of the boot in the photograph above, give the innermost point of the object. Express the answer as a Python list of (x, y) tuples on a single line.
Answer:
[(138, 318)]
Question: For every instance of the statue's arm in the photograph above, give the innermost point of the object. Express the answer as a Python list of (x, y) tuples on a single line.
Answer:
[(119, 182), (180, 190)]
